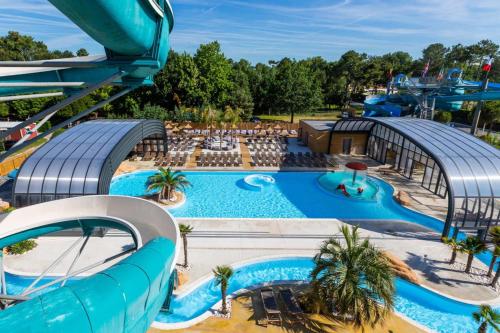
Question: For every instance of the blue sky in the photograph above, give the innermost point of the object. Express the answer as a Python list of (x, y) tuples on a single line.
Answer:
[(261, 30)]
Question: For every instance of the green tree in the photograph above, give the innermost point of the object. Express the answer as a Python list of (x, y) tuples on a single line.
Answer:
[(354, 279), (151, 112), (485, 317), (350, 72), (209, 117), (185, 230), (443, 117), (294, 91), (19, 47), (167, 181), (82, 53), (4, 110), (471, 246), (454, 246), (222, 275), (241, 96), (215, 71), (436, 55)]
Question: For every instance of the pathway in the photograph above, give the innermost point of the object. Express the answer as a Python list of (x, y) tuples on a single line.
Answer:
[(245, 154), (227, 241)]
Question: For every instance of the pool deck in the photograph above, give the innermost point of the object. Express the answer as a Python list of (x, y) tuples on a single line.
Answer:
[(228, 241)]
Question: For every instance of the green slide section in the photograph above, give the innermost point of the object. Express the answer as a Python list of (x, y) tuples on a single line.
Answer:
[(124, 298), (134, 34)]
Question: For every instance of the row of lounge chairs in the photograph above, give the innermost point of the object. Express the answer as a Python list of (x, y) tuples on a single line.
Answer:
[(172, 159), (307, 160), (180, 144), (272, 310), (222, 159), (266, 145)]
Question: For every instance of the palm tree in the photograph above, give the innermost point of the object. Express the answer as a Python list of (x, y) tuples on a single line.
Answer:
[(496, 254), (222, 275), (185, 230), (354, 279), (487, 316), (209, 117), (167, 181), (471, 246), (495, 237), (454, 245), (232, 117)]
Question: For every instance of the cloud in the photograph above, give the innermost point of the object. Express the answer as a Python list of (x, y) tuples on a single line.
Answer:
[(263, 29)]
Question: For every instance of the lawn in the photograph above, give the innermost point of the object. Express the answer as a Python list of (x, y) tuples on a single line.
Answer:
[(323, 115)]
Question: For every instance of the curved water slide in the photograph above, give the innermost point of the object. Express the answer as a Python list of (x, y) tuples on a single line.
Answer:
[(125, 297), (135, 36)]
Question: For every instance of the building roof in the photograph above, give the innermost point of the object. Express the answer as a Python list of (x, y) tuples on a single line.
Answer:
[(81, 161), (470, 166), (320, 125)]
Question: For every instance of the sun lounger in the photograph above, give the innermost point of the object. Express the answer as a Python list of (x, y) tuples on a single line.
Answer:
[(292, 306), (270, 304)]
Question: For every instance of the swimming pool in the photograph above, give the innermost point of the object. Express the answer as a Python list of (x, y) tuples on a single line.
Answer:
[(419, 304), (293, 195)]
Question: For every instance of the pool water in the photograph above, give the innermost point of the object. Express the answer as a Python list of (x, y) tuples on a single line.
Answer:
[(293, 195), (332, 180), (421, 305)]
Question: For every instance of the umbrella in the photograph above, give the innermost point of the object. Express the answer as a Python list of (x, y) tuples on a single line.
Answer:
[(234, 126), (262, 133), (169, 126), (356, 166), (284, 132), (188, 126), (277, 127), (258, 127), (175, 129)]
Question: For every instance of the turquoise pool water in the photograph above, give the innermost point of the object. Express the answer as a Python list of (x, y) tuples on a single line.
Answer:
[(421, 305), (293, 195), (361, 188)]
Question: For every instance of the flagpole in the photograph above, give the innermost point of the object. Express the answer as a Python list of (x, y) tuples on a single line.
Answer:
[(479, 106)]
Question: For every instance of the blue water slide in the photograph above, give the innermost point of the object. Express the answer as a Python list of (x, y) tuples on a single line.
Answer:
[(134, 33)]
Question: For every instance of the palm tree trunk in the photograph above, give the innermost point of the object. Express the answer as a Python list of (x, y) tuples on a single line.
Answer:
[(168, 192), (223, 291), (483, 327), (185, 244), (453, 256), (495, 279), (469, 263), (492, 266)]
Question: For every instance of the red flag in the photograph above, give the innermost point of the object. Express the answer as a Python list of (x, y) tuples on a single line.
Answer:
[(426, 69), (487, 65)]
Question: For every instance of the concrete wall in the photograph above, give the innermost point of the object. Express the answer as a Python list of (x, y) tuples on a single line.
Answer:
[(316, 140), (358, 146)]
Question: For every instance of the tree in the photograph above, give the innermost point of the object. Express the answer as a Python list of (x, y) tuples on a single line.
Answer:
[(185, 230), (294, 90), (222, 276), (19, 47), (350, 70), (151, 112), (241, 97), (215, 72), (167, 181), (4, 110), (454, 245), (82, 53), (495, 237), (471, 246), (354, 279), (443, 117), (435, 55), (209, 118), (487, 316)]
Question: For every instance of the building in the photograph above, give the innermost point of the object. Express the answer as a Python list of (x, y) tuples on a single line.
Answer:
[(448, 162), (17, 135)]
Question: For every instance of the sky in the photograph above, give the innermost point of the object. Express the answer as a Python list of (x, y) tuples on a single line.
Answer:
[(262, 30)]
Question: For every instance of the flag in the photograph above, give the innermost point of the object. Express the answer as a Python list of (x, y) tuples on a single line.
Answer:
[(426, 69), (441, 74), (487, 65)]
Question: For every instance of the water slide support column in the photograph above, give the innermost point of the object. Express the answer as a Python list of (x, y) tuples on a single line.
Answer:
[(2, 274), (479, 106)]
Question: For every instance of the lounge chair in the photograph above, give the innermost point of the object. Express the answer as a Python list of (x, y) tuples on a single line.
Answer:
[(291, 305), (273, 313)]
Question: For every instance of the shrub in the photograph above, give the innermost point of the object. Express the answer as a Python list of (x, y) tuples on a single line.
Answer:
[(443, 117), (22, 247)]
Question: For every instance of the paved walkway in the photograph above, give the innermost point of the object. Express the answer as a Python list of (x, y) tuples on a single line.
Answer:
[(227, 241)]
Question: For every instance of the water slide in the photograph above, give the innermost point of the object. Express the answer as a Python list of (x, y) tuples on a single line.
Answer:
[(135, 36), (446, 93), (125, 297)]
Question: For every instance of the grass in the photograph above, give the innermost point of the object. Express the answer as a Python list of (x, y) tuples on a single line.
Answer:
[(286, 117), (35, 144)]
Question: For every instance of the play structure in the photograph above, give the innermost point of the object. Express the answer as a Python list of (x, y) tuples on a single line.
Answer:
[(420, 96), (353, 182), (125, 291), (135, 36)]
